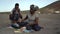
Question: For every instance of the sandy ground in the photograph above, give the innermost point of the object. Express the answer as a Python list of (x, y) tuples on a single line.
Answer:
[(51, 24)]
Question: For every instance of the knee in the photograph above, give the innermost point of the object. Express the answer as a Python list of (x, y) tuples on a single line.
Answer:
[(37, 28)]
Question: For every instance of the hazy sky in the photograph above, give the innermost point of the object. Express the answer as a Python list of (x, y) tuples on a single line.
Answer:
[(8, 5)]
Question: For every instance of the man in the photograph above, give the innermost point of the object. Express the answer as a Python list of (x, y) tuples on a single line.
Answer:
[(32, 19)]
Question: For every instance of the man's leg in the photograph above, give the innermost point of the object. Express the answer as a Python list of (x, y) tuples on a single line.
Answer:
[(36, 27), (22, 24)]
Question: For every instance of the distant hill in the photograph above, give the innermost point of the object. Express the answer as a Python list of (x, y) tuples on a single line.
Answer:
[(23, 12), (55, 6), (51, 8), (4, 12)]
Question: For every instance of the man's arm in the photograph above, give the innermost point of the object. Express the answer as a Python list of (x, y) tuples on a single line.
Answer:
[(25, 18), (36, 20)]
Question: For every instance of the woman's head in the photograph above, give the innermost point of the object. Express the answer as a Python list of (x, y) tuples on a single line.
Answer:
[(31, 7), (16, 6)]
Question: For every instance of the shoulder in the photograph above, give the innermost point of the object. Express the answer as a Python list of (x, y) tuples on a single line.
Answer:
[(11, 11), (36, 14)]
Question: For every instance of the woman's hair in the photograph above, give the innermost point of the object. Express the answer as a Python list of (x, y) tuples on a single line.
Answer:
[(17, 4)]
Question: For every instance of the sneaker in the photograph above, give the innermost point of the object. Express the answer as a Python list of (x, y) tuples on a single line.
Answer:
[(28, 31), (10, 27), (18, 31)]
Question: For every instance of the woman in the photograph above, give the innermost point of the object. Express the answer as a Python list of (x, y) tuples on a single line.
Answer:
[(15, 16), (32, 19)]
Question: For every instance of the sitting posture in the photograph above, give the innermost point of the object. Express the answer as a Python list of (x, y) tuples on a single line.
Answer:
[(32, 18), (15, 16)]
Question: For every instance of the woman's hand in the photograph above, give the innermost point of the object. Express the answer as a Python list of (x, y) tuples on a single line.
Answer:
[(19, 20)]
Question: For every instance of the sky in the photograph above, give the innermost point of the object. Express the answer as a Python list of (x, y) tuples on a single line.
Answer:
[(8, 5)]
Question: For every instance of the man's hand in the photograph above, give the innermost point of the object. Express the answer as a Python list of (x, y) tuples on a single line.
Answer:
[(22, 20)]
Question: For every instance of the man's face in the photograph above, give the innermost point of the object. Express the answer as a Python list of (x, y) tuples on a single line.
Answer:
[(32, 9)]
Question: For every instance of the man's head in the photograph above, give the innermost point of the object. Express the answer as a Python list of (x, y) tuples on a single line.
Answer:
[(16, 6), (32, 9)]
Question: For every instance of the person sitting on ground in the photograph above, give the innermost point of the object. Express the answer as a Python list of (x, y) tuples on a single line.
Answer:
[(15, 16), (32, 18)]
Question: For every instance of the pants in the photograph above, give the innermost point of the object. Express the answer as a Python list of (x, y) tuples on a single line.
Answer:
[(33, 27), (28, 27), (22, 24)]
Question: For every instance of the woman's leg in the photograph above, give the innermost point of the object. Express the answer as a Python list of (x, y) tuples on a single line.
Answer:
[(15, 25)]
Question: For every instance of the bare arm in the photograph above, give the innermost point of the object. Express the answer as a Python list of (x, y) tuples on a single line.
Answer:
[(20, 14), (36, 20), (11, 15)]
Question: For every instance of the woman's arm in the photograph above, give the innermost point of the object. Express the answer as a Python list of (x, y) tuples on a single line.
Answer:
[(11, 15), (20, 14)]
